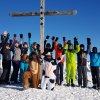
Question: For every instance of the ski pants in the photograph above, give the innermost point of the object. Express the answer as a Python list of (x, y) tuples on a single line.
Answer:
[(6, 64), (16, 66), (70, 73), (59, 73), (95, 71), (82, 75), (48, 83)]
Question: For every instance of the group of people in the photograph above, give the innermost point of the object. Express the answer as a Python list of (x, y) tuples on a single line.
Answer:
[(42, 70)]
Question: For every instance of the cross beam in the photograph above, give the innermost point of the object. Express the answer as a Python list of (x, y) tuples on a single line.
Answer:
[(48, 13), (42, 13)]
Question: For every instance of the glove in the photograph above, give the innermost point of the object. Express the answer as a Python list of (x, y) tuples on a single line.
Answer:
[(76, 42), (75, 39), (29, 35), (38, 46), (88, 41), (21, 35), (53, 38), (14, 35), (56, 39), (64, 38), (10, 41), (47, 37)]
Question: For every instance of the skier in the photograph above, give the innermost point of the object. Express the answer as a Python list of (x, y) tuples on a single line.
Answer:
[(71, 62), (16, 62), (6, 57), (6, 64), (58, 52), (24, 60), (82, 63), (95, 67)]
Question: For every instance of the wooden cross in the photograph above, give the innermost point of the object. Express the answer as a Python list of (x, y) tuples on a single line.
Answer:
[(42, 13)]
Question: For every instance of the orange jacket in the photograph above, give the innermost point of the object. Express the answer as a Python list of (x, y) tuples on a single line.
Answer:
[(58, 53)]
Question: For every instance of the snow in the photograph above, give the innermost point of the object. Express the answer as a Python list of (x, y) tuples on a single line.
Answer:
[(16, 92)]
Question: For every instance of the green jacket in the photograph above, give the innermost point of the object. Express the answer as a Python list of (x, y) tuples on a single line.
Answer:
[(71, 55)]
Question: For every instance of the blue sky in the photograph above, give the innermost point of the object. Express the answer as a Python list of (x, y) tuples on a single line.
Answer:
[(85, 24)]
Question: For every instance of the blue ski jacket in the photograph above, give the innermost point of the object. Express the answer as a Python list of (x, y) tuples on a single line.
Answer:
[(94, 59)]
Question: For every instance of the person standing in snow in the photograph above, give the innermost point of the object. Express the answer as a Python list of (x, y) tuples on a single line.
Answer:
[(59, 52), (95, 67), (71, 62), (82, 63), (6, 57), (24, 58), (15, 61), (6, 62)]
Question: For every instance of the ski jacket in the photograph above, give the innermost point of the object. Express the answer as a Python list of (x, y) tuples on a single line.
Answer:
[(82, 57), (71, 55), (58, 52), (6, 54), (94, 59), (17, 54)]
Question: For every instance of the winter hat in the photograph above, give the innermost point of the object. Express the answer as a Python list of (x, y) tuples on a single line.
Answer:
[(59, 45), (25, 43), (16, 41), (7, 44), (34, 43), (94, 49), (48, 45), (82, 45)]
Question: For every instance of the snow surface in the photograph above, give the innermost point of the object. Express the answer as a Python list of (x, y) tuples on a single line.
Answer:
[(16, 92)]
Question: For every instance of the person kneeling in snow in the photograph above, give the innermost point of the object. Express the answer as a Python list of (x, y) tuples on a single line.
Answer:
[(48, 72), (34, 72), (49, 67)]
